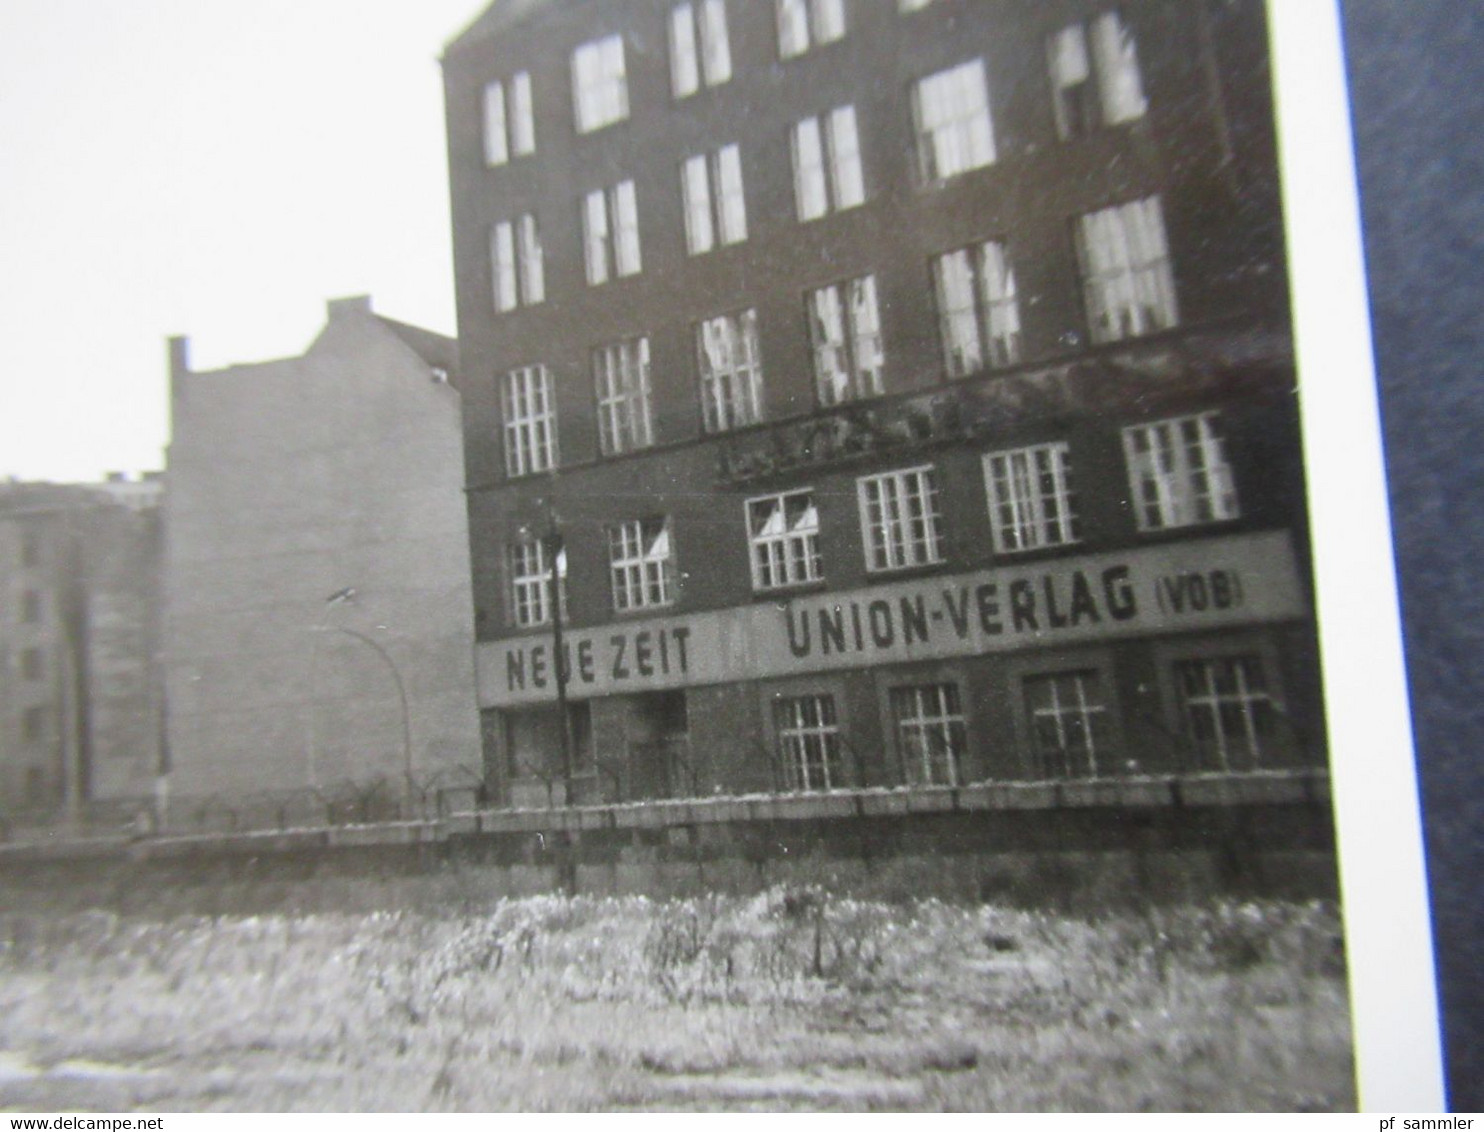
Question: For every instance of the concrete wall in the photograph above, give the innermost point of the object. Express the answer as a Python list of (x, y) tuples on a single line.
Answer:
[(289, 482), (1039, 846)]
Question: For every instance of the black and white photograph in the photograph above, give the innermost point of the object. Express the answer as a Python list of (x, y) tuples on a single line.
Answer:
[(725, 555)]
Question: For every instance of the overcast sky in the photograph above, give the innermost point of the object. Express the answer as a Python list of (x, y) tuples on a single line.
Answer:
[(211, 169)]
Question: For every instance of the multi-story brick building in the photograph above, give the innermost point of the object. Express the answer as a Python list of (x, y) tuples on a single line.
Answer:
[(903, 390), (79, 645)]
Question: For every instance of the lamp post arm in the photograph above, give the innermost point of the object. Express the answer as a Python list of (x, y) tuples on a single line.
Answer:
[(391, 666)]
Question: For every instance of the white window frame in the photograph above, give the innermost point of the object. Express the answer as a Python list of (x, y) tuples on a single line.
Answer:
[(530, 582), (1247, 703), (783, 539), (809, 742), (1077, 709), (517, 263), (978, 308), (953, 121), (1031, 504), (528, 405), (1100, 56), (900, 519), (641, 563), (699, 49), (610, 225), (827, 164), (1128, 282), (1178, 473), (845, 334), (932, 732), (803, 24), (621, 382), (600, 89), (715, 203), (729, 362), (509, 123)]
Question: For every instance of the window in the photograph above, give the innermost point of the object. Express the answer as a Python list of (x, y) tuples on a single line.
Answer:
[(509, 127), (1227, 709), (951, 110), (1030, 499), (530, 421), (806, 23), (621, 379), (1127, 283), (530, 582), (611, 228), (517, 263), (784, 534), (899, 519), (912, 5), (978, 313), (705, 23), (1069, 723), (931, 734), (731, 371), (30, 607), (827, 164), (845, 330), (1113, 56), (641, 563), (600, 91), (31, 664), (1178, 474), (33, 724), (808, 742), (715, 210), (30, 548)]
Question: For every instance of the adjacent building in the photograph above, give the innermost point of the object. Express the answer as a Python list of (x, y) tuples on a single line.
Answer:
[(901, 391), (317, 627), (79, 644)]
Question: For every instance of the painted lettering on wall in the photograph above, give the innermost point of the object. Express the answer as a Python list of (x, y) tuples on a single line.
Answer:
[(635, 655), (1233, 580), (1027, 605)]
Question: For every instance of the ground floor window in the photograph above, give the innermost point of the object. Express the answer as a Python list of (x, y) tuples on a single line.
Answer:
[(533, 743), (808, 742), (1068, 714), (1228, 710), (930, 733)]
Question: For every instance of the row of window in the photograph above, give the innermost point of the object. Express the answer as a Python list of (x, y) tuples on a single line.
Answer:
[(32, 664), (954, 136), (1228, 712), (30, 548), (1093, 69), (30, 607), (1178, 476), (1128, 285), (33, 724)]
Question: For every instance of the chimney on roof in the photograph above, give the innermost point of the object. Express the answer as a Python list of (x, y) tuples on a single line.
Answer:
[(179, 347), (351, 304)]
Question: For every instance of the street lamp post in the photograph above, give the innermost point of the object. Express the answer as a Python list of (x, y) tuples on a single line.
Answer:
[(336, 598), (391, 666), (553, 546)]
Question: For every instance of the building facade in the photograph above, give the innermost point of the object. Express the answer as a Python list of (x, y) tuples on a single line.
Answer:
[(79, 645), (901, 391), (318, 637)]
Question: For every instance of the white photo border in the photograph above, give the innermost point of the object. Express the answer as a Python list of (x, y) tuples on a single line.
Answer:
[(1388, 936)]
